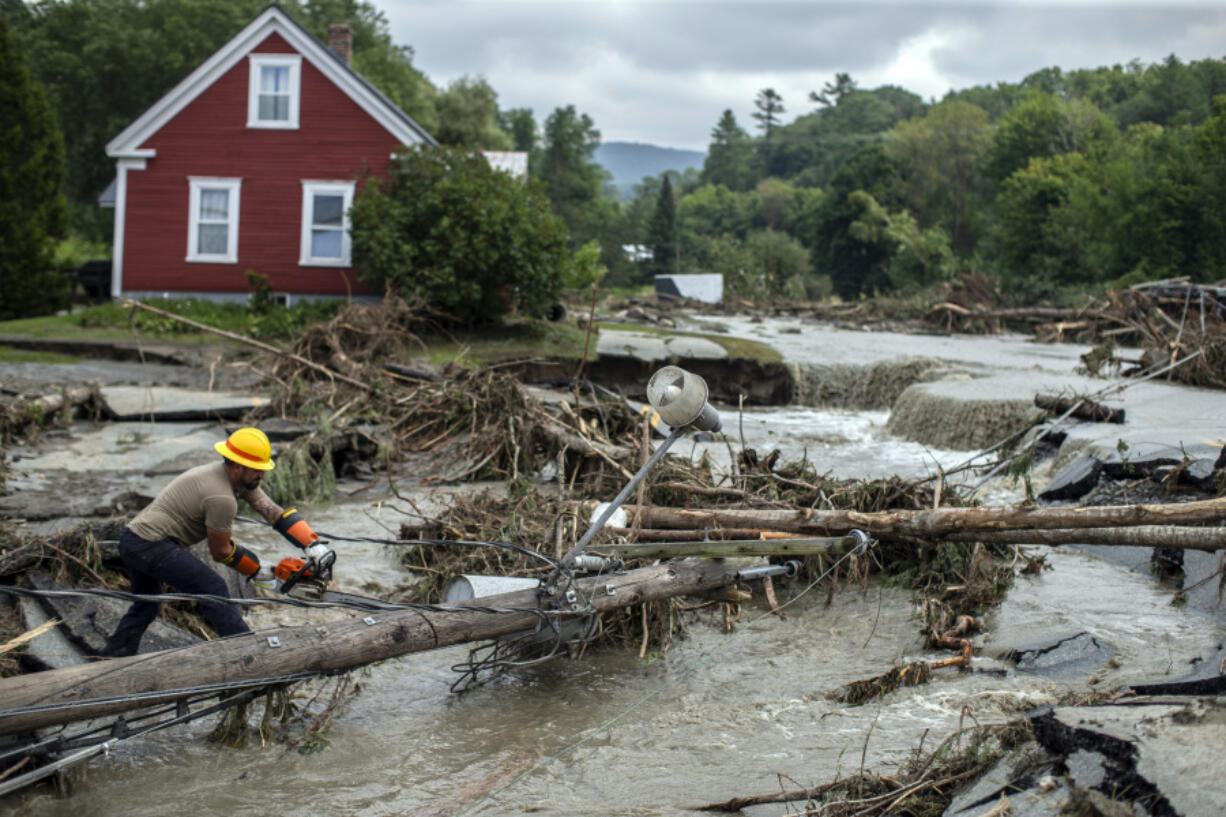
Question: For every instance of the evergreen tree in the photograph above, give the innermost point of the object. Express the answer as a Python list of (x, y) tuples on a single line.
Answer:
[(662, 232), (32, 207), (770, 108), (572, 176), (832, 92), (730, 157)]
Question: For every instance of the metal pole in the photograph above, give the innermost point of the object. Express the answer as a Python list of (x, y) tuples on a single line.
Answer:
[(569, 558)]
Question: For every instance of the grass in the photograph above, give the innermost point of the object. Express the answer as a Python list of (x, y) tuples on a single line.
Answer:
[(515, 340), (10, 355), (71, 327)]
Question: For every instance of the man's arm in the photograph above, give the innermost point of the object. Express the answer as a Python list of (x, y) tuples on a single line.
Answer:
[(219, 543), (266, 508), (289, 524), (225, 550)]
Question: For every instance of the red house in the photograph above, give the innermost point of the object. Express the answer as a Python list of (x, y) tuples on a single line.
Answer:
[(250, 163)]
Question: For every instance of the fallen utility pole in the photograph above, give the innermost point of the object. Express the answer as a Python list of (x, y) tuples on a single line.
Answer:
[(936, 522), (61, 696)]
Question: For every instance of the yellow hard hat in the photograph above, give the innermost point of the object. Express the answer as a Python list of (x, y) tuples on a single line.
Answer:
[(248, 446)]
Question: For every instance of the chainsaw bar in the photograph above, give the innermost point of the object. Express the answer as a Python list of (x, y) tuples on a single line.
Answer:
[(365, 602)]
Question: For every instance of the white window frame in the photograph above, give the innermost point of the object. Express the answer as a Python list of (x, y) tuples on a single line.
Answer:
[(256, 64), (309, 189), (234, 188)]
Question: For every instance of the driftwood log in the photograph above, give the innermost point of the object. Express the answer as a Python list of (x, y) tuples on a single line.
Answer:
[(928, 524), (1082, 408), (27, 411), (1153, 536)]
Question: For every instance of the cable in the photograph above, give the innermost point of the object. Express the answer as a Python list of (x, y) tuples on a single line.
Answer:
[(464, 542), (351, 602), (103, 745)]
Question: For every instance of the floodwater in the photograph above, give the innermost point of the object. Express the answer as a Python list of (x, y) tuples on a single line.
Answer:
[(718, 715)]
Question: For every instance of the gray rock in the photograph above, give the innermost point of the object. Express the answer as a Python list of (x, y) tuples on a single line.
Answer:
[(52, 649), (1076, 480), (1199, 473), (88, 621)]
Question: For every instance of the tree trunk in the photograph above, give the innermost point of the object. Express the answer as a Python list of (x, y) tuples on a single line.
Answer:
[(934, 523), (1151, 536), (1086, 409), (93, 690)]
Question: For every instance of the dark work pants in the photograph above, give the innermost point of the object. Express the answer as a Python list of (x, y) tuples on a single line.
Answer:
[(152, 564)]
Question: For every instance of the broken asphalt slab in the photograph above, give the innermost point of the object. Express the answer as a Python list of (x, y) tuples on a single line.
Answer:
[(1162, 754), (171, 404), (652, 348)]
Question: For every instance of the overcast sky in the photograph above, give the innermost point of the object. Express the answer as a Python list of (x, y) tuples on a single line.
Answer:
[(663, 71)]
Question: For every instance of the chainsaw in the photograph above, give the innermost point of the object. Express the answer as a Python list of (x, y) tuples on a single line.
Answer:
[(304, 578), (308, 580)]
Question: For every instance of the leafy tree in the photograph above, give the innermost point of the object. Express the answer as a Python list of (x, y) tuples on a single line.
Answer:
[(939, 155), (769, 109), (715, 210), (921, 257), (781, 262), (801, 213), (519, 124), (776, 196), (855, 267), (1044, 125), (1038, 245), (32, 209), (468, 116), (730, 156), (662, 232), (809, 150), (471, 240), (572, 176)]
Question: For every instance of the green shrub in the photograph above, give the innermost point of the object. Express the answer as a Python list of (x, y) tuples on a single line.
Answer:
[(471, 241)]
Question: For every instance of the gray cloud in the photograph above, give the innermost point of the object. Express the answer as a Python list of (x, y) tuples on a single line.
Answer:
[(663, 72)]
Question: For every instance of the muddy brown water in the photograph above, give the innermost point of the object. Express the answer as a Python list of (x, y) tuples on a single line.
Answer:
[(718, 715)]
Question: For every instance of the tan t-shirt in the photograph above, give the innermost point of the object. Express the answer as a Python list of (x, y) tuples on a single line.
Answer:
[(198, 498)]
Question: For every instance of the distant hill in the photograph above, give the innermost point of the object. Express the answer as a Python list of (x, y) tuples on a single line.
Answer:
[(630, 162)]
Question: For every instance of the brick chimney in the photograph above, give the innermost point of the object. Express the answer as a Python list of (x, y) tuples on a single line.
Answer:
[(340, 40)]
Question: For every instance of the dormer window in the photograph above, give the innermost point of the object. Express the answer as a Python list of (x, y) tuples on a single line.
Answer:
[(272, 100)]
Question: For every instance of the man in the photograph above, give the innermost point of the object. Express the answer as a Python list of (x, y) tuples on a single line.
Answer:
[(201, 503)]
